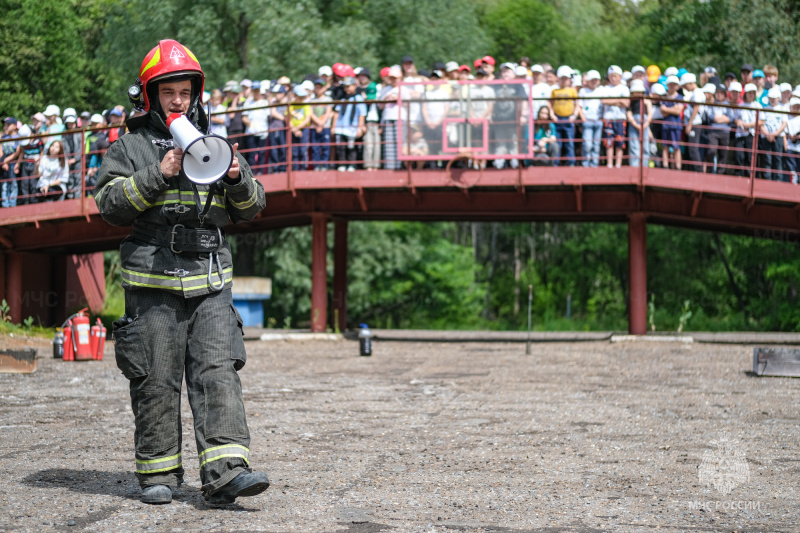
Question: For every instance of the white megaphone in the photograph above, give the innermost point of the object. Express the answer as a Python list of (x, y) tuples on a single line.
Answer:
[(206, 158)]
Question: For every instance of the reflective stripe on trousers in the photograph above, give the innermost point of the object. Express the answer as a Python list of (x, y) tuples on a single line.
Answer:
[(153, 466), (226, 450)]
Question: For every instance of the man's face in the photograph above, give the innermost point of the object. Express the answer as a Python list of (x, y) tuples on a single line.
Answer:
[(350, 89), (116, 119), (507, 74), (175, 97)]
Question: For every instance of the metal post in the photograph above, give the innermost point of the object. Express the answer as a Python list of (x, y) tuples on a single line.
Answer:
[(637, 258), (340, 273), (530, 302), (289, 135), (319, 272), (641, 141), (83, 172)]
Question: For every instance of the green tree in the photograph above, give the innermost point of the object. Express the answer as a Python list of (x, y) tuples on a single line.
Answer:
[(46, 53), (525, 28)]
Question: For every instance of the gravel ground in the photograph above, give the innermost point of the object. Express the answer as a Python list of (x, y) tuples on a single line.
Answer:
[(429, 437)]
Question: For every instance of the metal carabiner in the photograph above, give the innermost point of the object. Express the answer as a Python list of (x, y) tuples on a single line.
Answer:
[(219, 272)]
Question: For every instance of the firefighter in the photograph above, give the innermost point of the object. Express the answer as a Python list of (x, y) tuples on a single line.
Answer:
[(176, 272)]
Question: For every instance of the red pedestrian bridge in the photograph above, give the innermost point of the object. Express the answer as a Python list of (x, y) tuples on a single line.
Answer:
[(50, 261)]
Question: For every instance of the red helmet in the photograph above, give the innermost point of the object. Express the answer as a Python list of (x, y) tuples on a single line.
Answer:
[(169, 59)]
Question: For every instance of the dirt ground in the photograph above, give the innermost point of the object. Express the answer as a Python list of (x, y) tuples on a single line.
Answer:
[(430, 437)]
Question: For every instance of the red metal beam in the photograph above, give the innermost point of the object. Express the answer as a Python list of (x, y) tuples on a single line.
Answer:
[(319, 272), (340, 273), (637, 257), (14, 285), (91, 274)]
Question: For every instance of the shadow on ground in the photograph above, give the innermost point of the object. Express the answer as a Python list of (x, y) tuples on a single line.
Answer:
[(119, 484)]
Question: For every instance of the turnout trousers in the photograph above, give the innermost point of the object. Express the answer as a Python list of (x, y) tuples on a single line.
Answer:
[(170, 334)]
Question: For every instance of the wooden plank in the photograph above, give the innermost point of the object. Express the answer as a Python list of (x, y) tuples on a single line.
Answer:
[(776, 362), (18, 361)]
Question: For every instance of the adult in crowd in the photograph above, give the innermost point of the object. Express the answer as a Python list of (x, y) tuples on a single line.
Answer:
[(72, 147), (254, 118), (507, 114), (322, 117), (31, 153), (350, 125), (277, 129), (217, 114)]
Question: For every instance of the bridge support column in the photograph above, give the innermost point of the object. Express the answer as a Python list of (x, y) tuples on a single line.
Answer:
[(340, 273), (637, 258), (319, 272), (14, 286)]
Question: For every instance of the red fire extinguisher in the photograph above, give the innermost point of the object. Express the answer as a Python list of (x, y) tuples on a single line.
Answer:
[(77, 338), (69, 349), (98, 339)]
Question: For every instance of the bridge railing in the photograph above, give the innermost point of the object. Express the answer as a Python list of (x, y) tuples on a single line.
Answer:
[(461, 132)]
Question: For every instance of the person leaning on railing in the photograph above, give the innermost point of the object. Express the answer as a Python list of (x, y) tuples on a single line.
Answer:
[(746, 129)]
